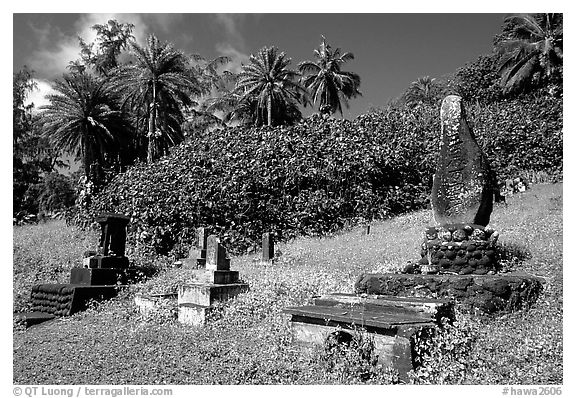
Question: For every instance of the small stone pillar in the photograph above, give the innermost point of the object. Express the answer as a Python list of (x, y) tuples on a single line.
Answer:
[(267, 248)]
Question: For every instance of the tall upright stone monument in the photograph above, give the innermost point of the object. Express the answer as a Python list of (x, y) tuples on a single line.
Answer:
[(461, 191), (462, 195)]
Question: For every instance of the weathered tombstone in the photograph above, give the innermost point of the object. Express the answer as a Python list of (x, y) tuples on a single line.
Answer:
[(97, 279), (461, 190), (462, 201), (216, 256), (112, 245), (267, 247), (197, 253), (214, 283)]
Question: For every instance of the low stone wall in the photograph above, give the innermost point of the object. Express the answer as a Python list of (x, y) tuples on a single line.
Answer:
[(488, 293), (460, 249)]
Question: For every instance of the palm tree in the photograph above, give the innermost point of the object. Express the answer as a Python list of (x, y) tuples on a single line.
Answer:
[(328, 84), (158, 86), (531, 51), (84, 118), (421, 91), (270, 84)]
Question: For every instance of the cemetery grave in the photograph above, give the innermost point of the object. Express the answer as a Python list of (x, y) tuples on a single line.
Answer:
[(460, 244), (104, 270)]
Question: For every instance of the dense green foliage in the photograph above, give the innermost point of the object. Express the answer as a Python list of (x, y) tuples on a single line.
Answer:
[(317, 176)]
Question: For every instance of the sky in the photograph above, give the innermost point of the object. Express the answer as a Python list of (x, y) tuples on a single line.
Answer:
[(391, 50)]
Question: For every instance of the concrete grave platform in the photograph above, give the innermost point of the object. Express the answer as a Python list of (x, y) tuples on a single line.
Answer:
[(391, 321), (207, 293), (487, 293), (148, 303)]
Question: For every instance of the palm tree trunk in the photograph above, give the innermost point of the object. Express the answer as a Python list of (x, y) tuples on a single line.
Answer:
[(86, 156), (152, 125), (269, 109)]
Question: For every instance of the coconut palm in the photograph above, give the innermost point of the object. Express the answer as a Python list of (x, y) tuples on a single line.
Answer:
[(421, 91), (158, 86), (531, 51), (268, 82), (327, 83), (85, 119)]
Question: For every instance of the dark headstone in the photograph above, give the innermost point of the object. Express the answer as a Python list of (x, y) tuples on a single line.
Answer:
[(113, 237), (462, 190), (267, 247)]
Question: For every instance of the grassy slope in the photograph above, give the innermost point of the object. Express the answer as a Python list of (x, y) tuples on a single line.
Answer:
[(251, 344)]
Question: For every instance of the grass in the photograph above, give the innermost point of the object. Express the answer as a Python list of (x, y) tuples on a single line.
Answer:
[(248, 341)]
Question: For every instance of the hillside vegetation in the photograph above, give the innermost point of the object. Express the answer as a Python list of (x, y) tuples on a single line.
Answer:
[(249, 339), (320, 175)]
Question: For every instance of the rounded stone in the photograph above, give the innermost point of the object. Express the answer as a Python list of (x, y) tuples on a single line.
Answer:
[(490, 253), (460, 261), (449, 254), (466, 271), (423, 261), (459, 235), (477, 254), (461, 253), (445, 235), (485, 262), (481, 271), (478, 234), (471, 247), (431, 234), (434, 261), (445, 263), (439, 254), (473, 263)]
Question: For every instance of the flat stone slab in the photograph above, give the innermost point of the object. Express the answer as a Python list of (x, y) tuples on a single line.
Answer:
[(432, 309), (34, 318), (488, 293), (386, 318), (390, 321)]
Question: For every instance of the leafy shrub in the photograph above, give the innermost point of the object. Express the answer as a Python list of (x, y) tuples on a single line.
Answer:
[(318, 176)]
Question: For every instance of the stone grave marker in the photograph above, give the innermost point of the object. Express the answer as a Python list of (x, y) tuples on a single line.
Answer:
[(197, 253), (214, 283), (267, 248), (461, 189), (216, 256)]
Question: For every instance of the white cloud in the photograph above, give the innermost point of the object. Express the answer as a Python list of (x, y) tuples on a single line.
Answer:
[(38, 95), (59, 49), (237, 57)]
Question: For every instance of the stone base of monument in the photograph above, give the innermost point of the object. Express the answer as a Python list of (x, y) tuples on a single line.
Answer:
[(460, 249), (487, 293), (390, 321), (94, 276), (196, 299)]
